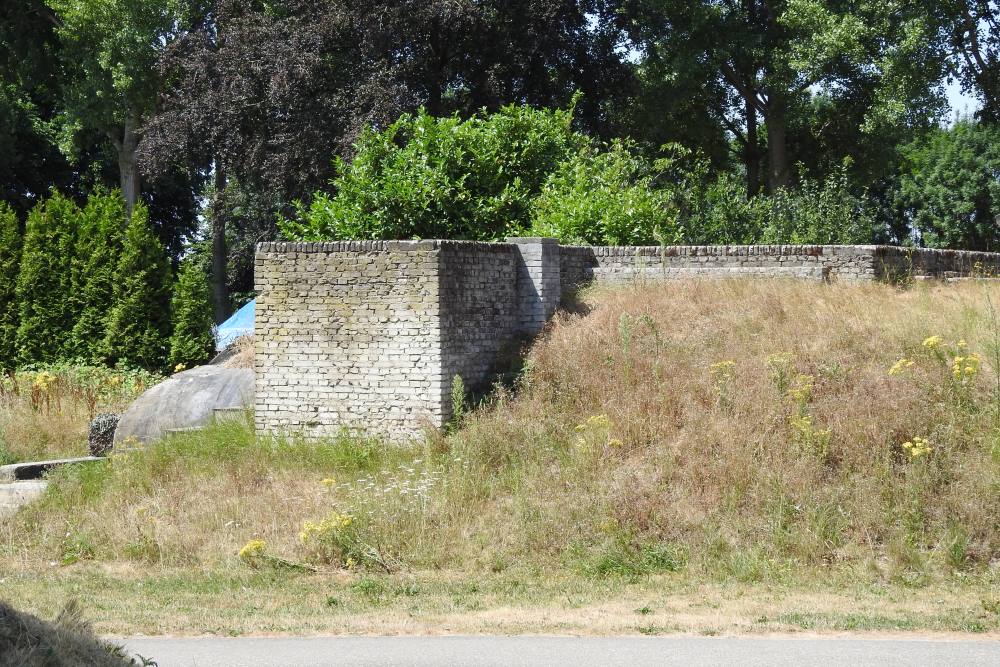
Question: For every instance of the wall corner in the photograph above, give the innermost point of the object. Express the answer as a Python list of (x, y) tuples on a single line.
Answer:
[(539, 281)]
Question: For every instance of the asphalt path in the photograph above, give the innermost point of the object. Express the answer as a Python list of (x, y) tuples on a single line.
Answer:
[(545, 651)]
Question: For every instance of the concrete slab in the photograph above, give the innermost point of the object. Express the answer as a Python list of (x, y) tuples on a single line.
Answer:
[(36, 469), (15, 495)]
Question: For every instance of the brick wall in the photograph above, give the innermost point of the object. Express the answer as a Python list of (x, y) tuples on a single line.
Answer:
[(479, 310), (618, 264), (370, 334), (347, 335)]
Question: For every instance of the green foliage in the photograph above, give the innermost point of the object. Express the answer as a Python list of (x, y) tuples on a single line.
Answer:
[(950, 187), (99, 246), (45, 281), (111, 49), (458, 400), (10, 259), (139, 322), (819, 213), (827, 212), (606, 198), (426, 177), (192, 341)]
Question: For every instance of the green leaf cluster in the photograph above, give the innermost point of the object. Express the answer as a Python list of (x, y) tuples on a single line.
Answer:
[(426, 177), (950, 187), (606, 198)]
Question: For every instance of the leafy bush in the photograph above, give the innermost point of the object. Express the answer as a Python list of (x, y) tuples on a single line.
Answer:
[(10, 259), (950, 187), (819, 213), (606, 198), (139, 323), (426, 177), (827, 212), (192, 341)]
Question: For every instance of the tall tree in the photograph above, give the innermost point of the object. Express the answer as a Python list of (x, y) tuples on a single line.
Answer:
[(31, 162), (974, 32), (98, 248), (10, 259), (774, 55), (192, 341), (950, 187), (139, 321), (45, 281), (110, 49)]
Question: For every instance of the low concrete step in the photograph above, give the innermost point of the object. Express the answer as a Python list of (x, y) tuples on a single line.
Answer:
[(15, 495), (16, 472)]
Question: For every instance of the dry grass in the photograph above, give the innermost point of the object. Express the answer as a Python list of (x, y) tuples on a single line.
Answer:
[(127, 600), (242, 353), (45, 413), (626, 452)]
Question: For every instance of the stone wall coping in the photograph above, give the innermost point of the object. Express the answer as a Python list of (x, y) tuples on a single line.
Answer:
[(427, 245), (536, 240), (941, 252)]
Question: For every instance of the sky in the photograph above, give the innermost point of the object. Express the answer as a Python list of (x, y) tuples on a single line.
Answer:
[(960, 102)]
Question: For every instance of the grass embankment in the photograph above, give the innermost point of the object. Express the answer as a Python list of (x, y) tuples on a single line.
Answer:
[(44, 413), (698, 456)]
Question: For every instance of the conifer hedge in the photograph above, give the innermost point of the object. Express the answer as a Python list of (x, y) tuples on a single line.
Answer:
[(10, 259), (192, 341)]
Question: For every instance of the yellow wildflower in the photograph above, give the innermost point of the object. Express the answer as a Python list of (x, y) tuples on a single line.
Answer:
[(329, 482), (900, 366), (253, 549), (180, 367), (933, 342), (43, 381), (801, 391), (722, 367), (350, 563), (918, 447), (965, 366), (615, 443), (600, 421)]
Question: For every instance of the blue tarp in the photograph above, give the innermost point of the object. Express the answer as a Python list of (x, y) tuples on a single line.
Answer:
[(240, 324)]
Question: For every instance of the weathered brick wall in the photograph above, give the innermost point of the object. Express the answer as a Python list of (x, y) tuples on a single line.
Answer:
[(894, 263), (347, 335), (617, 264), (370, 335), (479, 310)]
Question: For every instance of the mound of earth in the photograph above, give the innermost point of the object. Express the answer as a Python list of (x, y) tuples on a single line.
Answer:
[(27, 641)]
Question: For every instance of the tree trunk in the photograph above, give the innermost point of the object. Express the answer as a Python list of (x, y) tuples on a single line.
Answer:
[(220, 288), (779, 174), (751, 153), (128, 172)]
